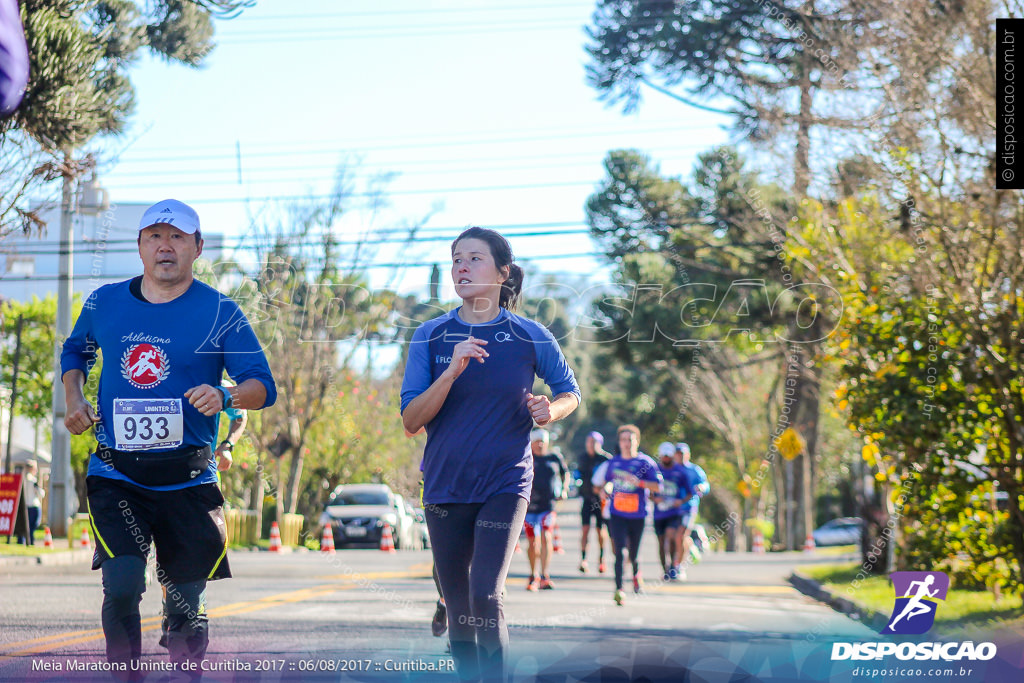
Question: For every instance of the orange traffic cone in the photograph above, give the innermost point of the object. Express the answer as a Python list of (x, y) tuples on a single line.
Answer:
[(83, 542), (327, 542), (387, 541), (47, 537), (275, 538), (758, 542), (809, 544), (556, 541)]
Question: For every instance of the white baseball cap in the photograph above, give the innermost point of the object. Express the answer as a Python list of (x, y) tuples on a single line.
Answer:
[(539, 435), (682, 447), (666, 448), (171, 212)]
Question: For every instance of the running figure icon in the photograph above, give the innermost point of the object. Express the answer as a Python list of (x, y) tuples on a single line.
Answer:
[(915, 606)]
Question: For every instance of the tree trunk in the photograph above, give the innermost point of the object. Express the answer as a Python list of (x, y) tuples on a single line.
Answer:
[(801, 161)]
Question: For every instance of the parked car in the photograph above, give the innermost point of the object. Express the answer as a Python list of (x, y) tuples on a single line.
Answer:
[(839, 531), (357, 514), (405, 533), (421, 526)]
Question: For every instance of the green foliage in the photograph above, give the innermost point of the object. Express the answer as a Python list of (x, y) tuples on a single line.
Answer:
[(80, 52)]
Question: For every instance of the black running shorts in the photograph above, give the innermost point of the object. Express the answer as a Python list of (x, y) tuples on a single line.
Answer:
[(187, 527)]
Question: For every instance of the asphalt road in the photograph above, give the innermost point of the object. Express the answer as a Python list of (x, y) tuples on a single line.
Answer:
[(364, 615)]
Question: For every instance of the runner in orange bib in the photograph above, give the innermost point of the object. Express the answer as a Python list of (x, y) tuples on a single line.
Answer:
[(632, 475)]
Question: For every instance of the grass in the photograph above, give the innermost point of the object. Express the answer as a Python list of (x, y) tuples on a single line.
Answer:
[(16, 549), (962, 611)]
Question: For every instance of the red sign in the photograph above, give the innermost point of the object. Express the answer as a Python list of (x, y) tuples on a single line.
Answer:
[(10, 492)]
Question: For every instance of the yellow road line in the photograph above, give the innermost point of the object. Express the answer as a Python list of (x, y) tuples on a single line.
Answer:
[(746, 590), (351, 581)]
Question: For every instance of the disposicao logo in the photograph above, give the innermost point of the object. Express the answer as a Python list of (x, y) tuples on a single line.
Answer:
[(917, 596)]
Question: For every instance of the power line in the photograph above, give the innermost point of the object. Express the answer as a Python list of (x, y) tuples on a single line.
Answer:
[(247, 17), (357, 266), (416, 142), (247, 244)]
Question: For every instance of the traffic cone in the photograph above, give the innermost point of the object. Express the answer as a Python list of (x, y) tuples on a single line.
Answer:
[(809, 544), (275, 538), (758, 542), (556, 541), (83, 542), (47, 537), (327, 542), (387, 541)]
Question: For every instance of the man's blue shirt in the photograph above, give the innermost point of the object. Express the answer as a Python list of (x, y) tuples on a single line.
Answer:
[(698, 482), (675, 485), (152, 354)]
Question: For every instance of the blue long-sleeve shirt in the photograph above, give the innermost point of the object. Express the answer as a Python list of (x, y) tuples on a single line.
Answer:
[(478, 444), (152, 354)]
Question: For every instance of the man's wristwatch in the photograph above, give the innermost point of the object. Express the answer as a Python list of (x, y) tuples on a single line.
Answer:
[(228, 399), (226, 445)]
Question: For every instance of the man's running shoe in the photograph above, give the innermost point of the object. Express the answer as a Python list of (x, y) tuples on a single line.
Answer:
[(545, 583), (583, 566), (619, 596), (439, 624), (532, 584), (638, 584), (680, 573), (601, 568)]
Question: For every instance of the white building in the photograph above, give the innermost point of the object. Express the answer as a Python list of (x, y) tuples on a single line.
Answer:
[(104, 249)]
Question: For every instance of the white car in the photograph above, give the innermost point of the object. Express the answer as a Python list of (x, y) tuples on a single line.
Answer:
[(839, 531)]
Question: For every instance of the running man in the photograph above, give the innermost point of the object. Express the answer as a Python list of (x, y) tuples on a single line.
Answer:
[(593, 457), (915, 605), (550, 483), (468, 380), (153, 479), (698, 487), (633, 475), (668, 507)]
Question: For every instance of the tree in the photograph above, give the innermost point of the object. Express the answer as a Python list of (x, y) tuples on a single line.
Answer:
[(767, 59), (80, 53), (708, 278)]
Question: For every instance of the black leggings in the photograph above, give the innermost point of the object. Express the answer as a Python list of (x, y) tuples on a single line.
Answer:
[(480, 537), (124, 582), (626, 534)]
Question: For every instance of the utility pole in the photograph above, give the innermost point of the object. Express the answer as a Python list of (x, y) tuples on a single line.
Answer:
[(61, 479), (9, 467)]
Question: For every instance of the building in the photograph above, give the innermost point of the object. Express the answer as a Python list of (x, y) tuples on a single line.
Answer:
[(105, 251)]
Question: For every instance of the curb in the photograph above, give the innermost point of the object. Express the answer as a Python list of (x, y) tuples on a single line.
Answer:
[(811, 588), (63, 557)]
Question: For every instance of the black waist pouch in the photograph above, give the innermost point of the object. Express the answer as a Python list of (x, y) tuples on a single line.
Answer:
[(158, 469)]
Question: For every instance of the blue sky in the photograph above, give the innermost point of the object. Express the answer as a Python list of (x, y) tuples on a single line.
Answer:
[(481, 109)]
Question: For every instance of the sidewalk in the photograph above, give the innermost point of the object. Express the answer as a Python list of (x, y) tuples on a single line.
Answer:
[(813, 589), (62, 556)]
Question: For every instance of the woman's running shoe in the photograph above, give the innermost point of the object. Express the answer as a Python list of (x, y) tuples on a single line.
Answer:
[(439, 624), (619, 596)]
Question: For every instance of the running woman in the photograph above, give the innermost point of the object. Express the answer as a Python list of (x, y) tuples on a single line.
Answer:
[(593, 457), (166, 340), (468, 380), (633, 475)]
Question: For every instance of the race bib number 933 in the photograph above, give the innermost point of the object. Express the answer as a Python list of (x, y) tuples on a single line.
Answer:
[(143, 423)]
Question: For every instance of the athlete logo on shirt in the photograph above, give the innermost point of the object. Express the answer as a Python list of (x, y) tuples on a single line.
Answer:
[(144, 365)]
